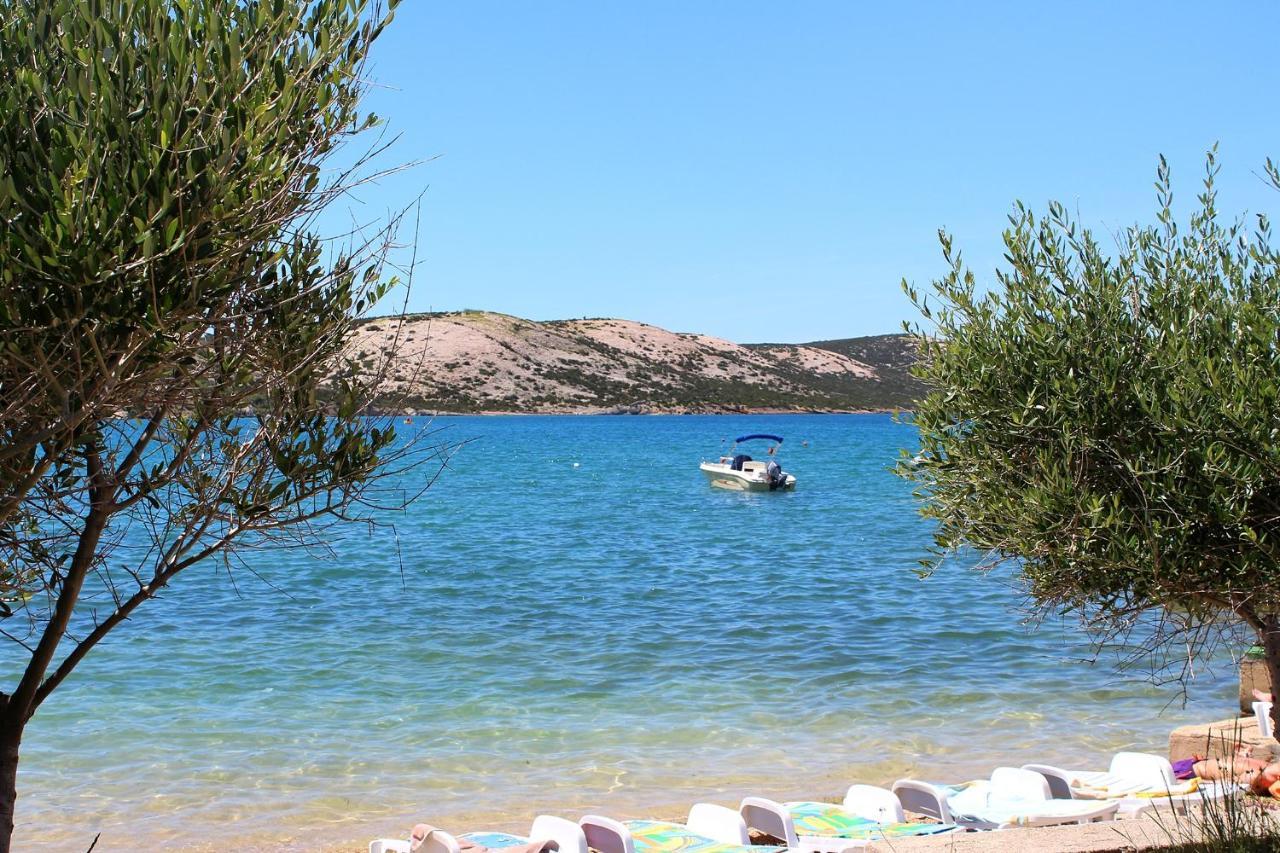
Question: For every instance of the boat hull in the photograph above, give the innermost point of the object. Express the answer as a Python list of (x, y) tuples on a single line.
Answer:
[(723, 477)]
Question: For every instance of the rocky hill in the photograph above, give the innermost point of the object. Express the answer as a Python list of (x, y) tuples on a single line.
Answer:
[(475, 361)]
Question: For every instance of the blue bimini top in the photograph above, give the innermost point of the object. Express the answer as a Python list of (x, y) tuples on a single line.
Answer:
[(763, 435)]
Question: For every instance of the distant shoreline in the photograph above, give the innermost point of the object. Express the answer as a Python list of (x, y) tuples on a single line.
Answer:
[(480, 362)]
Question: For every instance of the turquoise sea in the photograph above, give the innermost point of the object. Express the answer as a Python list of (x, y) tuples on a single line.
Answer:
[(572, 620)]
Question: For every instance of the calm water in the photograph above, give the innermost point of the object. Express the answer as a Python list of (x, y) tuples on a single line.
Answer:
[(570, 620)]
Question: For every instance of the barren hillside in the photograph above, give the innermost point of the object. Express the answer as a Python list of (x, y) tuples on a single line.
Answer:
[(475, 361)]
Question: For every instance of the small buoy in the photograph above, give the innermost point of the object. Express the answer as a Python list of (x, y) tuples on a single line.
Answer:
[(575, 465)]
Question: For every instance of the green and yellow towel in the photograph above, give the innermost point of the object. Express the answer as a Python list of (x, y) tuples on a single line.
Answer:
[(832, 821), (655, 836)]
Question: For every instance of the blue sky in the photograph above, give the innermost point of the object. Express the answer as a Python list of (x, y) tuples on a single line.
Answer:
[(770, 172)]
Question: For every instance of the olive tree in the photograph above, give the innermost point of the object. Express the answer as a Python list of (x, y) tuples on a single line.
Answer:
[(1106, 417), (173, 383)]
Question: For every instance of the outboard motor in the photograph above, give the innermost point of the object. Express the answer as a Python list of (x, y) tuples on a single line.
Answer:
[(777, 477)]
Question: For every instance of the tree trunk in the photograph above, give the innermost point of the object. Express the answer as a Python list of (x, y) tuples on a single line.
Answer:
[(1270, 636), (21, 704), (10, 739)]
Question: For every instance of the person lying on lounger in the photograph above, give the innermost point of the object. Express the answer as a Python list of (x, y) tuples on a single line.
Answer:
[(1262, 775)]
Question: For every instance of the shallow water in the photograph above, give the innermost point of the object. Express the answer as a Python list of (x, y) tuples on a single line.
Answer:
[(573, 620)]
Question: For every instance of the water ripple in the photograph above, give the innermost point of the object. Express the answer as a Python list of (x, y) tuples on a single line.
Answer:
[(612, 636)]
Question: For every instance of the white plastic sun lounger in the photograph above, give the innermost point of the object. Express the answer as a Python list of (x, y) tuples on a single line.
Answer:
[(566, 834), (867, 814), (1262, 712), (1138, 781), (1011, 798), (710, 829)]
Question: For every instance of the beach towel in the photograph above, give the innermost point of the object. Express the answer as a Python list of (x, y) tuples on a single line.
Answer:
[(1188, 787), (478, 842), (832, 821), (979, 803), (655, 836), (1114, 789)]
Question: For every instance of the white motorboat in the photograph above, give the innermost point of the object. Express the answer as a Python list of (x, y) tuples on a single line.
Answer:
[(741, 473)]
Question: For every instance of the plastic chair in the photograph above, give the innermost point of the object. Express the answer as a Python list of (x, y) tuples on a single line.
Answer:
[(565, 833), (1130, 773), (1058, 779), (1014, 783), (773, 818), (1013, 797), (439, 842), (706, 820), (769, 817), (1152, 770), (606, 834), (923, 798), (874, 803), (1262, 711), (719, 823)]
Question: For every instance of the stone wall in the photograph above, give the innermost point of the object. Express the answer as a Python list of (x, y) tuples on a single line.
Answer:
[(1217, 740)]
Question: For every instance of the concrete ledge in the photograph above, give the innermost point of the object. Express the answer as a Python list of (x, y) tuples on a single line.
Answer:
[(1215, 740)]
